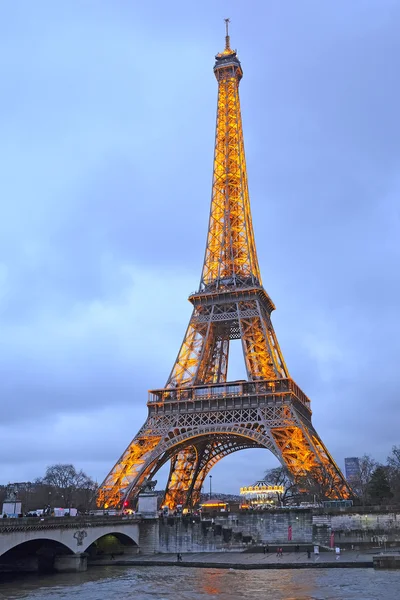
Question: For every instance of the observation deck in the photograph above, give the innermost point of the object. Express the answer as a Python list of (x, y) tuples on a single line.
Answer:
[(229, 294), (227, 396)]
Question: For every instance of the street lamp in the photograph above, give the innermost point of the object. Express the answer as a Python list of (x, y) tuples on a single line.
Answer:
[(210, 485)]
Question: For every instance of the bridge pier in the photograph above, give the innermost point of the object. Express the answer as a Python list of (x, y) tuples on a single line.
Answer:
[(71, 563), (131, 551), (149, 536)]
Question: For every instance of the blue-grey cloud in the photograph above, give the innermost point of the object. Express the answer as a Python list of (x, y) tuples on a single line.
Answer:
[(106, 145)]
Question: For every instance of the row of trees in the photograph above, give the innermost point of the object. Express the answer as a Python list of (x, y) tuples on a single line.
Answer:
[(62, 486), (375, 483), (378, 483), (65, 487)]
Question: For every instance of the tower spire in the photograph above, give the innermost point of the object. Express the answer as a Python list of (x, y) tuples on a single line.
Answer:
[(230, 257), (231, 302), (227, 38)]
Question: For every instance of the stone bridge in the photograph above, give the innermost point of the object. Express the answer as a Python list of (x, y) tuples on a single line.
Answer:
[(26, 543)]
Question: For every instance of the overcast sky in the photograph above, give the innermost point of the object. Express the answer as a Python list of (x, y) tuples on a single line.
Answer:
[(107, 116)]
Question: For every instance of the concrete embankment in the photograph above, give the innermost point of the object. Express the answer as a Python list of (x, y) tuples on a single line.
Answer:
[(387, 561), (246, 561)]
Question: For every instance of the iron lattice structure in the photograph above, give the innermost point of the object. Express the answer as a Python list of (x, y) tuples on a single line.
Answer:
[(199, 417)]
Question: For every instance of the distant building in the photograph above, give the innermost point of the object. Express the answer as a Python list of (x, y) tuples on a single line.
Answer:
[(352, 468), (21, 486)]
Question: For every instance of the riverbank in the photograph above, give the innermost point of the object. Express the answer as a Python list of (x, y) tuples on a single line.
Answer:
[(246, 561)]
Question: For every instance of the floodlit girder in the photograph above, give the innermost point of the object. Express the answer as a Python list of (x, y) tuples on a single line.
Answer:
[(204, 353), (199, 417), (231, 303), (196, 427), (231, 258)]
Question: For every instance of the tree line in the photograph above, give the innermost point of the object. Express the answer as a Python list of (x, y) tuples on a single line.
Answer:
[(375, 483), (62, 486)]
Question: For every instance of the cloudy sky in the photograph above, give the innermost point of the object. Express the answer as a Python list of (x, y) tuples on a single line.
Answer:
[(107, 117)]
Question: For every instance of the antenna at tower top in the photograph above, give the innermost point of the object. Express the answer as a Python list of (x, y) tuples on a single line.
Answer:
[(227, 40)]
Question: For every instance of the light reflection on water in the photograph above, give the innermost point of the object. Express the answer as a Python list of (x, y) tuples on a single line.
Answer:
[(181, 583)]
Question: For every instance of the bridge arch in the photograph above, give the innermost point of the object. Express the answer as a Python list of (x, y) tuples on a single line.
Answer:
[(38, 539), (33, 546), (111, 543), (37, 554), (75, 535)]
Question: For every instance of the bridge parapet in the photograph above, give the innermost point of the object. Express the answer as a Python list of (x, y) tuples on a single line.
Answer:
[(41, 524)]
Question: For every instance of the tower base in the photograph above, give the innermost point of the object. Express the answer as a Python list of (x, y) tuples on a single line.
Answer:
[(194, 427)]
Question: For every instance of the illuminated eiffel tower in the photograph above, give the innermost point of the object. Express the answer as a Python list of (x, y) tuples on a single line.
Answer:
[(199, 417)]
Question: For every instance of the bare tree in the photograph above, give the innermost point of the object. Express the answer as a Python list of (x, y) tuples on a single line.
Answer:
[(394, 458), (69, 486), (360, 482), (393, 472), (280, 476)]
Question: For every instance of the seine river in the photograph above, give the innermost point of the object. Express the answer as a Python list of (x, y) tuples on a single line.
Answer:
[(177, 583)]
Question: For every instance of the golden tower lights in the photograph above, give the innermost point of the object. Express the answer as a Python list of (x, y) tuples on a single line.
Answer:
[(199, 417)]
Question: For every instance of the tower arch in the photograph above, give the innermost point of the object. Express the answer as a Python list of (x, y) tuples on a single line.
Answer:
[(192, 455)]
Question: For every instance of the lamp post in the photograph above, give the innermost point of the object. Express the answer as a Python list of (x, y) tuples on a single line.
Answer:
[(210, 485)]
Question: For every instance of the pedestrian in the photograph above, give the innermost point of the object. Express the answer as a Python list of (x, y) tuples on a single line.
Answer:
[(177, 557), (308, 554), (277, 551), (281, 551), (267, 549)]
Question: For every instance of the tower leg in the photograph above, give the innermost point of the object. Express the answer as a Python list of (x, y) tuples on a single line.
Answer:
[(183, 468), (128, 468), (304, 453)]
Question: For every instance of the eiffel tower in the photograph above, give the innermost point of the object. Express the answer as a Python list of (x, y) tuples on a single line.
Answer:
[(199, 417)]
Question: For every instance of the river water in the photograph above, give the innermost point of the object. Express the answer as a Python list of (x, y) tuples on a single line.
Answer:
[(181, 583)]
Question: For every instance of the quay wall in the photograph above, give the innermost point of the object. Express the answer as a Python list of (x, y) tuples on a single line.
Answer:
[(358, 529), (238, 531)]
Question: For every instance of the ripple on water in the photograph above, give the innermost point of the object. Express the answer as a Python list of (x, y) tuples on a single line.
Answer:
[(180, 583)]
